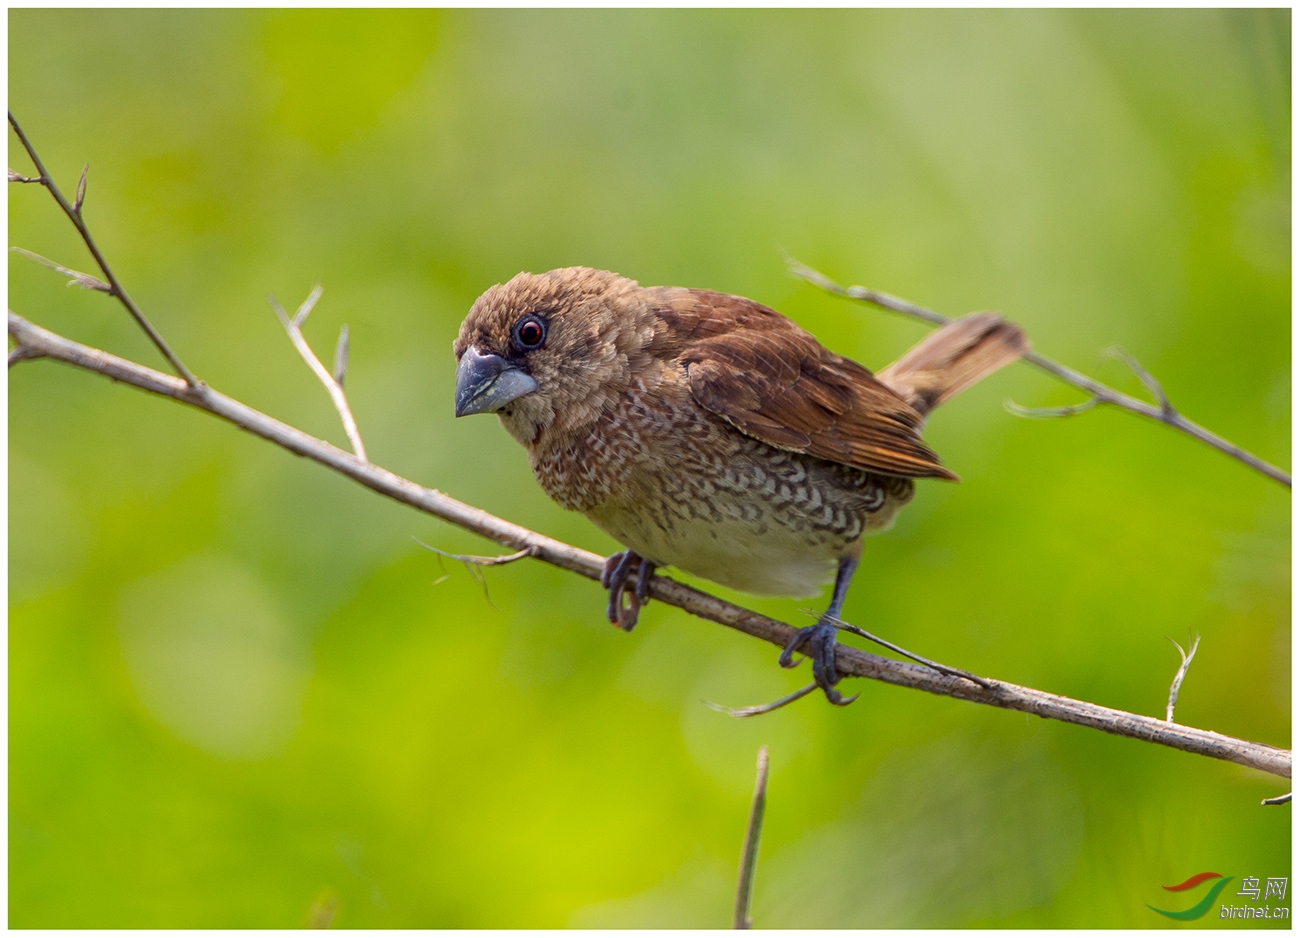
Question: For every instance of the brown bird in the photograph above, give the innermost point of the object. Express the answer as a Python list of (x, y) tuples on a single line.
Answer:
[(711, 433)]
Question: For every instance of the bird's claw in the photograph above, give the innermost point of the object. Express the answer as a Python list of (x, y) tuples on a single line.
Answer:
[(615, 566), (818, 641), (615, 577)]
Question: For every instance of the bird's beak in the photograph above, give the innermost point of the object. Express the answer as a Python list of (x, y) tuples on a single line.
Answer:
[(486, 383)]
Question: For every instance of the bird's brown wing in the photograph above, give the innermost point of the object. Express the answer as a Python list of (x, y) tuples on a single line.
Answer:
[(775, 382)]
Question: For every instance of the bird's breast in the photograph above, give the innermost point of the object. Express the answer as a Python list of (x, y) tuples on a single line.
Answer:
[(680, 486)]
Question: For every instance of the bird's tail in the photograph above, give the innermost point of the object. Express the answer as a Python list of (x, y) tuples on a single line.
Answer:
[(951, 359)]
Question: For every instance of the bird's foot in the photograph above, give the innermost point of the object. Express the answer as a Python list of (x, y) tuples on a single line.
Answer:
[(818, 642), (617, 577)]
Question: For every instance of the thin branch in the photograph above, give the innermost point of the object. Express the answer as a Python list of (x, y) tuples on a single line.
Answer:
[(760, 709), (341, 356), (849, 661), (332, 385), (1162, 412), (74, 215), (475, 564), (1148, 380), (749, 852), (1280, 799), (1177, 684), (474, 560), (1049, 412), (22, 353), (941, 668), (75, 277)]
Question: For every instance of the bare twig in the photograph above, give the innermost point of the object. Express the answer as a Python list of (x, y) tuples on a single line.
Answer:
[(1177, 684), (1047, 412), (21, 354), (341, 356), (332, 385), (1148, 381), (473, 560), (849, 661), (759, 710), (475, 564), (75, 277), (749, 852), (1162, 411), (941, 668), (1280, 799), (115, 287)]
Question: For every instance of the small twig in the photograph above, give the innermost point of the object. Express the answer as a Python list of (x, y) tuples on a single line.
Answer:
[(75, 277), (1148, 380), (1280, 799), (941, 668), (1187, 657), (1046, 412), (15, 176), (23, 353), (760, 709), (333, 386), (474, 560), (475, 564), (749, 852), (849, 661), (1103, 394), (115, 287), (341, 356)]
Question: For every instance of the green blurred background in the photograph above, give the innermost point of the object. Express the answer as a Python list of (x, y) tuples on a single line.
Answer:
[(239, 691)]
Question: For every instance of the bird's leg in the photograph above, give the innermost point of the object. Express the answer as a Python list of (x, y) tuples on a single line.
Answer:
[(618, 571), (614, 578), (642, 594), (820, 639)]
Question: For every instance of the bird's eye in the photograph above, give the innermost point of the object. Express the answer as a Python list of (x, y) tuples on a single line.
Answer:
[(530, 332)]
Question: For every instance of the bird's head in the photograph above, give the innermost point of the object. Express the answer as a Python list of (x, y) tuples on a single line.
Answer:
[(551, 351)]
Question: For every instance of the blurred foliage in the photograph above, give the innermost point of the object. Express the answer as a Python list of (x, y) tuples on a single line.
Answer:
[(240, 695)]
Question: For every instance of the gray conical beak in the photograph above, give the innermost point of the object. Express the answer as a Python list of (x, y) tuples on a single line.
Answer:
[(486, 383)]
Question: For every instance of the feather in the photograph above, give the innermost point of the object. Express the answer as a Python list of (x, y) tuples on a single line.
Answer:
[(775, 382)]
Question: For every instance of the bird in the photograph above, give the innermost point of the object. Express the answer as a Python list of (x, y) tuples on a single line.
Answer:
[(708, 432)]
